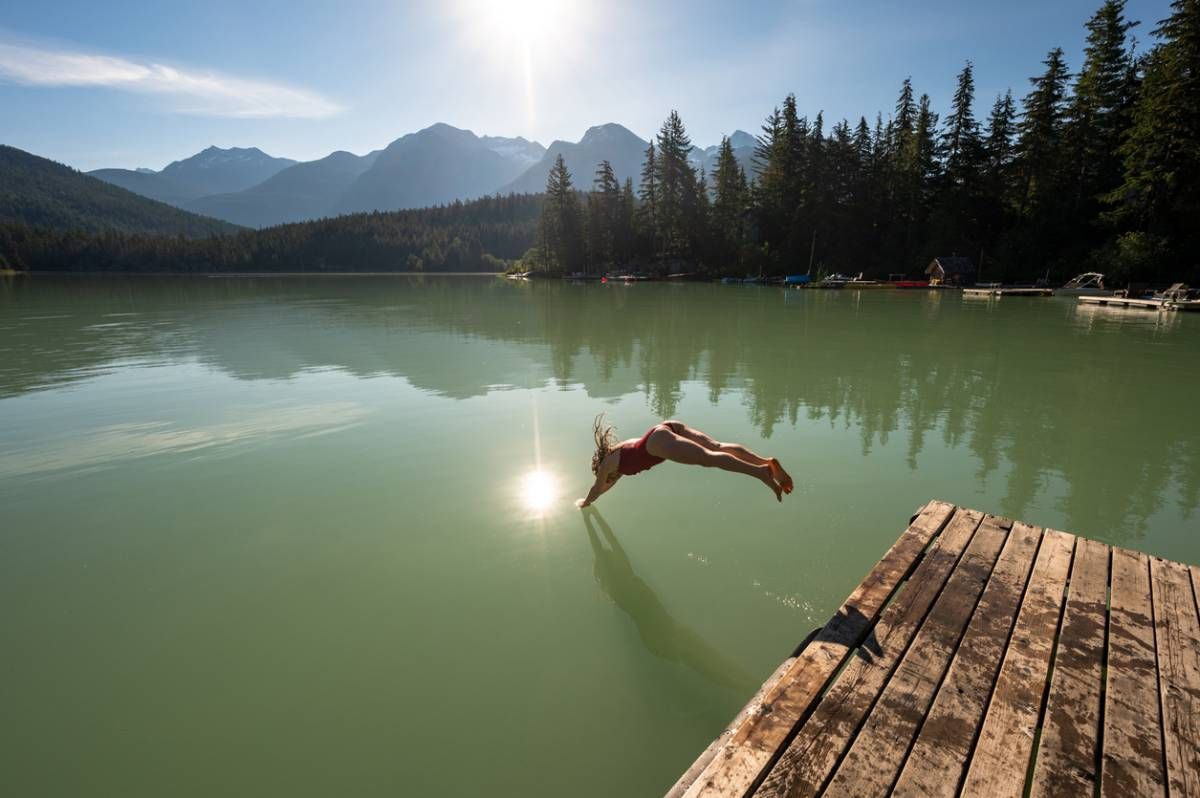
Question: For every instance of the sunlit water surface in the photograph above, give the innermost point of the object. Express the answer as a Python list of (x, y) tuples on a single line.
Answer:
[(317, 536)]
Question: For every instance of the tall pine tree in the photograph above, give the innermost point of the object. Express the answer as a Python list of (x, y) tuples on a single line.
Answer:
[(561, 229)]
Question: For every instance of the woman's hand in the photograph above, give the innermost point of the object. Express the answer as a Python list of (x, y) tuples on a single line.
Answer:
[(581, 503)]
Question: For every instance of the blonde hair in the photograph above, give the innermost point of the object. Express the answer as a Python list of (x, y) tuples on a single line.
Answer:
[(606, 441)]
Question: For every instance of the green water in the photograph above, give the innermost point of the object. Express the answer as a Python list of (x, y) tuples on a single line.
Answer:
[(272, 536)]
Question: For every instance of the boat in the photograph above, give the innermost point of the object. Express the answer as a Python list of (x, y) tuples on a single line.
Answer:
[(797, 279), (1086, 284), (909, 284), (832, 282), (1178, 292), (859, 282)]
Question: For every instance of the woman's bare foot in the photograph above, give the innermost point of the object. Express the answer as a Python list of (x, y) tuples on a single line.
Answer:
[(781, 476), (769, 480)]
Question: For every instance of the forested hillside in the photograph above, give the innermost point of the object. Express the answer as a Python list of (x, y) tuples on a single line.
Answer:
[(39, 192), (473, 236)]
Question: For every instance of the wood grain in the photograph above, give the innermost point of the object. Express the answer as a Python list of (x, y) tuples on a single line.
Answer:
[(1177, 632), (753, 747), (814, 752), (1005, 744), (1132, 762), (1066, 758), (878, 752), (938, 760)]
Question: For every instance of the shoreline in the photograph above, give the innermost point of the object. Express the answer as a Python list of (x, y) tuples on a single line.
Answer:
[(257, 274)]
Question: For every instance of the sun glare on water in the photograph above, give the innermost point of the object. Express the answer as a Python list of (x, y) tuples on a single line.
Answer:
[(539, 491)]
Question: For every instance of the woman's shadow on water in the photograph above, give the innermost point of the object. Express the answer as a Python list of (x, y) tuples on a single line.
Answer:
[(662, 635)]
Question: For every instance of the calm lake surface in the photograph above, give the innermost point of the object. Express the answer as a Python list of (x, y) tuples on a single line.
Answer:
[(277, 536)]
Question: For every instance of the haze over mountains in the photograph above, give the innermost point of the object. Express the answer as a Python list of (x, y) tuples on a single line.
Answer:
[(434, 166), (212, 171)]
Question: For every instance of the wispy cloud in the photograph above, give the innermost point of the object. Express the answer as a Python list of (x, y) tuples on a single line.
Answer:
[(197, 92)]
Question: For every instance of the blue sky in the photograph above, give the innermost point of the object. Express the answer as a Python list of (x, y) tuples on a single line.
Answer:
[(121, 83)]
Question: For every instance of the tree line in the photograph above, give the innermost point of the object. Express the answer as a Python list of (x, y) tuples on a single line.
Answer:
[(1093, 169), (480, 236)]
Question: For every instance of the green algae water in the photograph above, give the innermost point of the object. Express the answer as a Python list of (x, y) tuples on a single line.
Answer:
[(315, 536)]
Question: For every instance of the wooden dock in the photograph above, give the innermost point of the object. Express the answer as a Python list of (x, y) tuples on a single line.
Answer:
[(1141, 304), (1000, 291), (982, 656)]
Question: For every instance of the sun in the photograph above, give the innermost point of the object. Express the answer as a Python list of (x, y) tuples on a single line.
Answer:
[(539, 491), (521, 27), (523, 47), (523, 22)]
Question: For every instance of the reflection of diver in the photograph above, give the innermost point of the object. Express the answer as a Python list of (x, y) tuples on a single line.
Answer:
[(662, 635)]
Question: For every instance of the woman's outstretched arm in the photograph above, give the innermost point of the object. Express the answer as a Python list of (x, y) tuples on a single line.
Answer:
[(603, 483)]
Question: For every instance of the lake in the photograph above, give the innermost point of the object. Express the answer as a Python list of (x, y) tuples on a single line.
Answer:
[(279, 536)]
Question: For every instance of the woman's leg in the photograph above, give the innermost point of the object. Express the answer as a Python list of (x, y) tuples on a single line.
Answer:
[(666, 444), (735, 449)]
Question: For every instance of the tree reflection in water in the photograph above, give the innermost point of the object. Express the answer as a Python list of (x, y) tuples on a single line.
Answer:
[(1040, 392)]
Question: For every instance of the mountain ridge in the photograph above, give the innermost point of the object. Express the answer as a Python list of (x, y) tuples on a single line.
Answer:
[(44, 193), (436, 165)]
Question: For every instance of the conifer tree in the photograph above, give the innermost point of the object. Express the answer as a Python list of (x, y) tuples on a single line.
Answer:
[(771, 186), (999, 151), (677, 199), (649, 192), (561, 233), (961, 152), (1100, 108), (1041, 146), (1160, 192), (906, 112), (604, 208), (1001, 128), (624, 234), (729, 203)]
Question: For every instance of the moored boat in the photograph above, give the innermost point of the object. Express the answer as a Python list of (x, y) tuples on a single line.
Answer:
[(1086, 284)]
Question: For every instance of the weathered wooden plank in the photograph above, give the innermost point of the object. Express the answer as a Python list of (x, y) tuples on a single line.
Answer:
[(1133, 758), (938, 760), (1177, 631), (1066, 758), (752, 706), (1001, 755), (750, 750), (875, 757), (815, 750)]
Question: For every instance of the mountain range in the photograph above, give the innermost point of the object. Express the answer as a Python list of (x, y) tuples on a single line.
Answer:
[(434, 166), (213, 171)]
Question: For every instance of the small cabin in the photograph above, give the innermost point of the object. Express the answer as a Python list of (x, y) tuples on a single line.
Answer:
[(952, 270)]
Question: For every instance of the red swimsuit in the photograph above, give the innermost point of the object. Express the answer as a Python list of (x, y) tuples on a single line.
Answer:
[(635, 459)]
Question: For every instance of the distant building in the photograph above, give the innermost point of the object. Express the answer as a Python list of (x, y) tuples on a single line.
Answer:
[(953, 270)]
